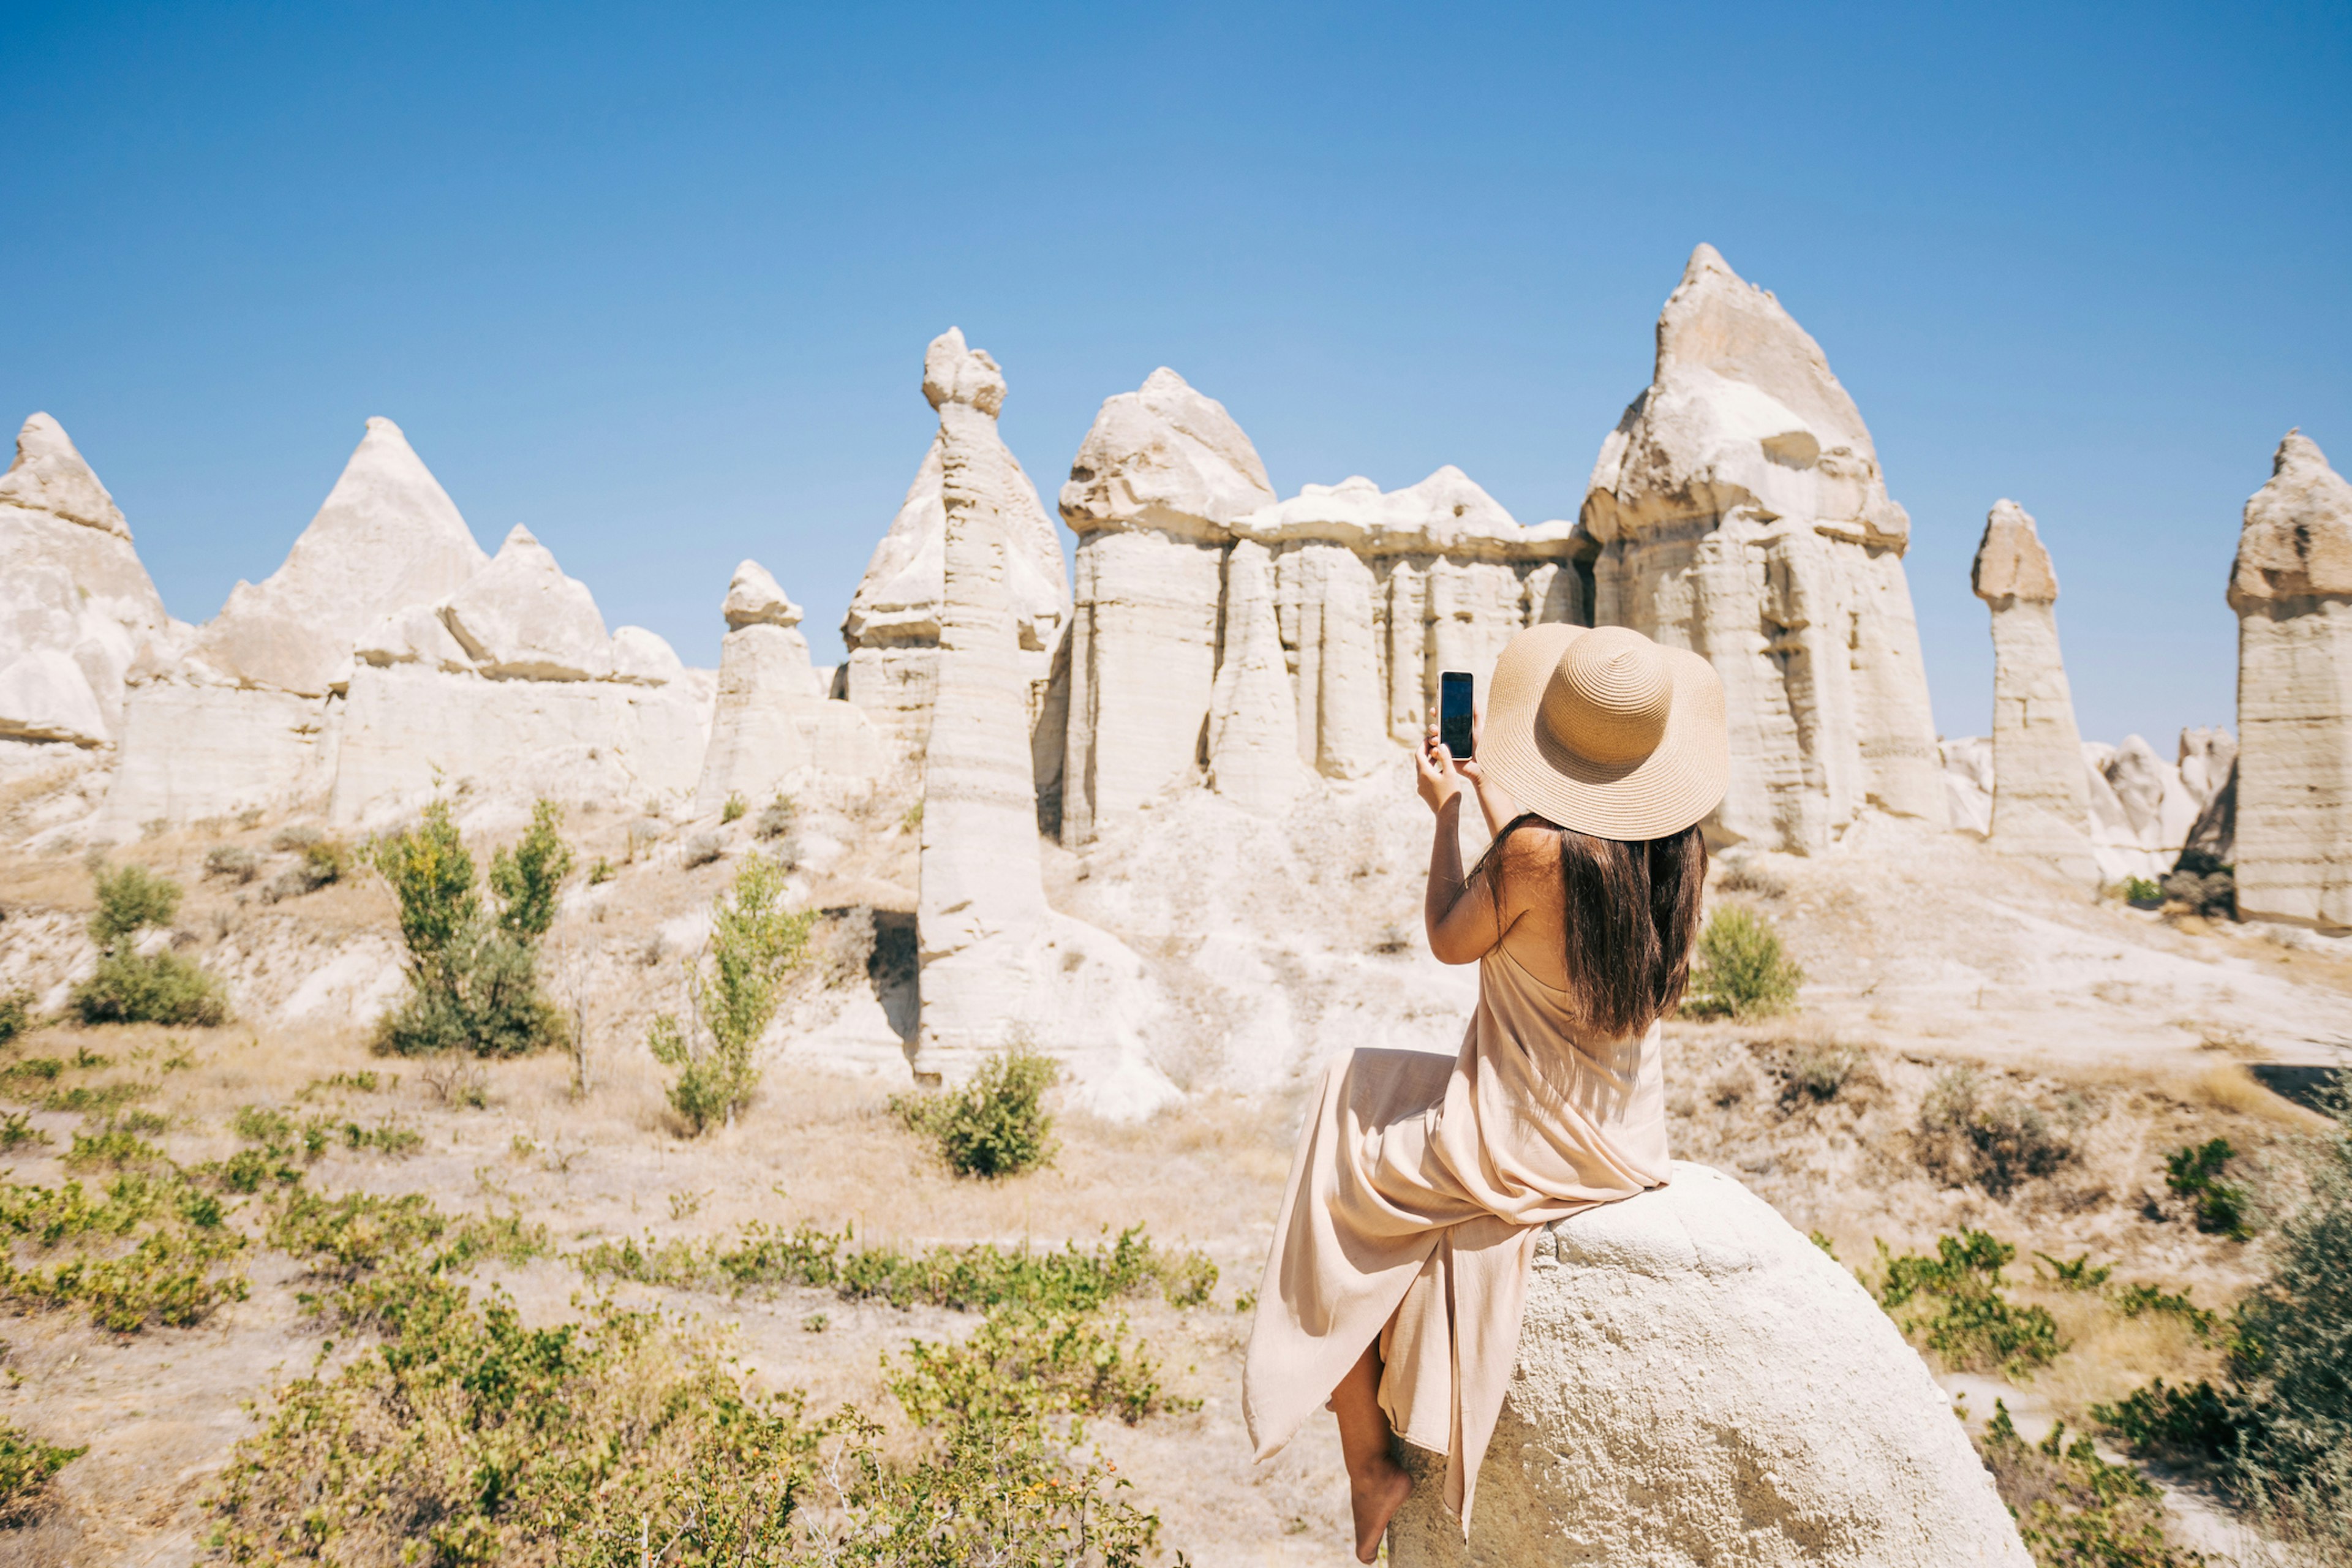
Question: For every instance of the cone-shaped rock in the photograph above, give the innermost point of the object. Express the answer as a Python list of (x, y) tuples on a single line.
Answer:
[(521, 618), (387, 537), (892, 629), (1740, 511), (754, 598), (2292, 588), (1153, 495), (2041, 797), (76, 608)]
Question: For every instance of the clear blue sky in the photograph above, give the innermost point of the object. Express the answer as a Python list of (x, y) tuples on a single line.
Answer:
[(656, 282)]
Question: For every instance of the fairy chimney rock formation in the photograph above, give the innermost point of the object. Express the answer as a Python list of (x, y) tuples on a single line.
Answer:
[(2041, 797), (521, 618), (76, 608), (2292, 589), (982, 899), (1698, 1382), (892, 627), (1153, 494), (1738, 510), (387, 537), (772, 725)]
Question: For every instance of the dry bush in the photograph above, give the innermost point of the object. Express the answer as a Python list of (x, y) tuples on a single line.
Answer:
[(1995, 1141)]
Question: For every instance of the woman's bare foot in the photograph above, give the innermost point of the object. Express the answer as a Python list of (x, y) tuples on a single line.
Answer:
[(1374, 1496)]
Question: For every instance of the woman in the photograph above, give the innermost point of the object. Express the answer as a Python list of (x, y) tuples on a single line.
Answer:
[(1399, 1266)]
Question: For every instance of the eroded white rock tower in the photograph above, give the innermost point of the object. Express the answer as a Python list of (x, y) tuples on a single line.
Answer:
[(2292, 588), (1740, 512), (2040, 799)]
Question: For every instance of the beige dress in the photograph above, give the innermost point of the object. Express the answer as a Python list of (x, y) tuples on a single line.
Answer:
[(1412, 1212)]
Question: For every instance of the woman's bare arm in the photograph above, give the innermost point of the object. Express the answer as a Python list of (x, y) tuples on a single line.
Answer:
[(1463, 917)]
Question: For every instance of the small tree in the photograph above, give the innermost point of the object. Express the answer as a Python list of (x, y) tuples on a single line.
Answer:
[(133, 988), (1741, 969), (755, 944), (473, 976)]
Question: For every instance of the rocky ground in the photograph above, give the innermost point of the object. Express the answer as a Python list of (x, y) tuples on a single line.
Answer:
[(1937, 973)]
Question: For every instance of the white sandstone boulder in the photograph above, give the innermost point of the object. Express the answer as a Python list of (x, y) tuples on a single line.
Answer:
[(1699, 1385), (642, 658), (521, 618), (754, 598), (387, 537)]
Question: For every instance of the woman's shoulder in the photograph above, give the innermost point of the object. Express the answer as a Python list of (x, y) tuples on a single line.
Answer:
[(1528, 854)]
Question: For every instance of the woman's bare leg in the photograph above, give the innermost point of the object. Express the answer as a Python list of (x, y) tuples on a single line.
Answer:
[(1377, 1484)]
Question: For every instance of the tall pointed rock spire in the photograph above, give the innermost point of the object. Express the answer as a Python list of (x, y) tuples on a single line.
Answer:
[(387, 537)]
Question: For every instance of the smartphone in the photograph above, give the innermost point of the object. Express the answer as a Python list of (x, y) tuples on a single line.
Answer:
[(1453, 713)]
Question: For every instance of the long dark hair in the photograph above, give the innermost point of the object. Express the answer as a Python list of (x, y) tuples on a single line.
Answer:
[(1632, 912)]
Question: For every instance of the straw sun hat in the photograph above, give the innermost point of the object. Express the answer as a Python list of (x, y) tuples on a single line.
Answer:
[(1603, 730)]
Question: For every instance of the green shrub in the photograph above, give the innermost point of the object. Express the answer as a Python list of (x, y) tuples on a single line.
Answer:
[(17, 1129), (2142, 890), (2074, 1509), (1996, 1142), (600, 873), (1953, 1300), (1022, 1362), (473, 976), (733, 810), (2194, 1173), (169, 1272), (129, 901), (28, 1466), (160, 987), (133, 988), (995, 1125), (322, 861), (2197, 1424), (1740, 970), (755, 944), (110, 1149), (2291, 1360), (481, 993), (15, 1014)]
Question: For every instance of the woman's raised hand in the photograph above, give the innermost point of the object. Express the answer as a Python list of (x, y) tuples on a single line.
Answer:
[(1436, 778), (1493, 801)]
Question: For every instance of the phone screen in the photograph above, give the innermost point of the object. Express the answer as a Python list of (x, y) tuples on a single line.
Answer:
[(1453, 713)]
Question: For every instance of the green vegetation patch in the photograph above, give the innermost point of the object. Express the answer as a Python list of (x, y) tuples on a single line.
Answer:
[(28, 1466), (2074, 1509), (1741, 969), (1953, 1300), (994, 1126), (130, 986)]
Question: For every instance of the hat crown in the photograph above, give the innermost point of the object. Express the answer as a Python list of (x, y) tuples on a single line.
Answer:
[(1609, 696)]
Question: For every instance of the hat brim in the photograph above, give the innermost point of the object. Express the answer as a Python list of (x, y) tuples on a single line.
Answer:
[(1682, 779)]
